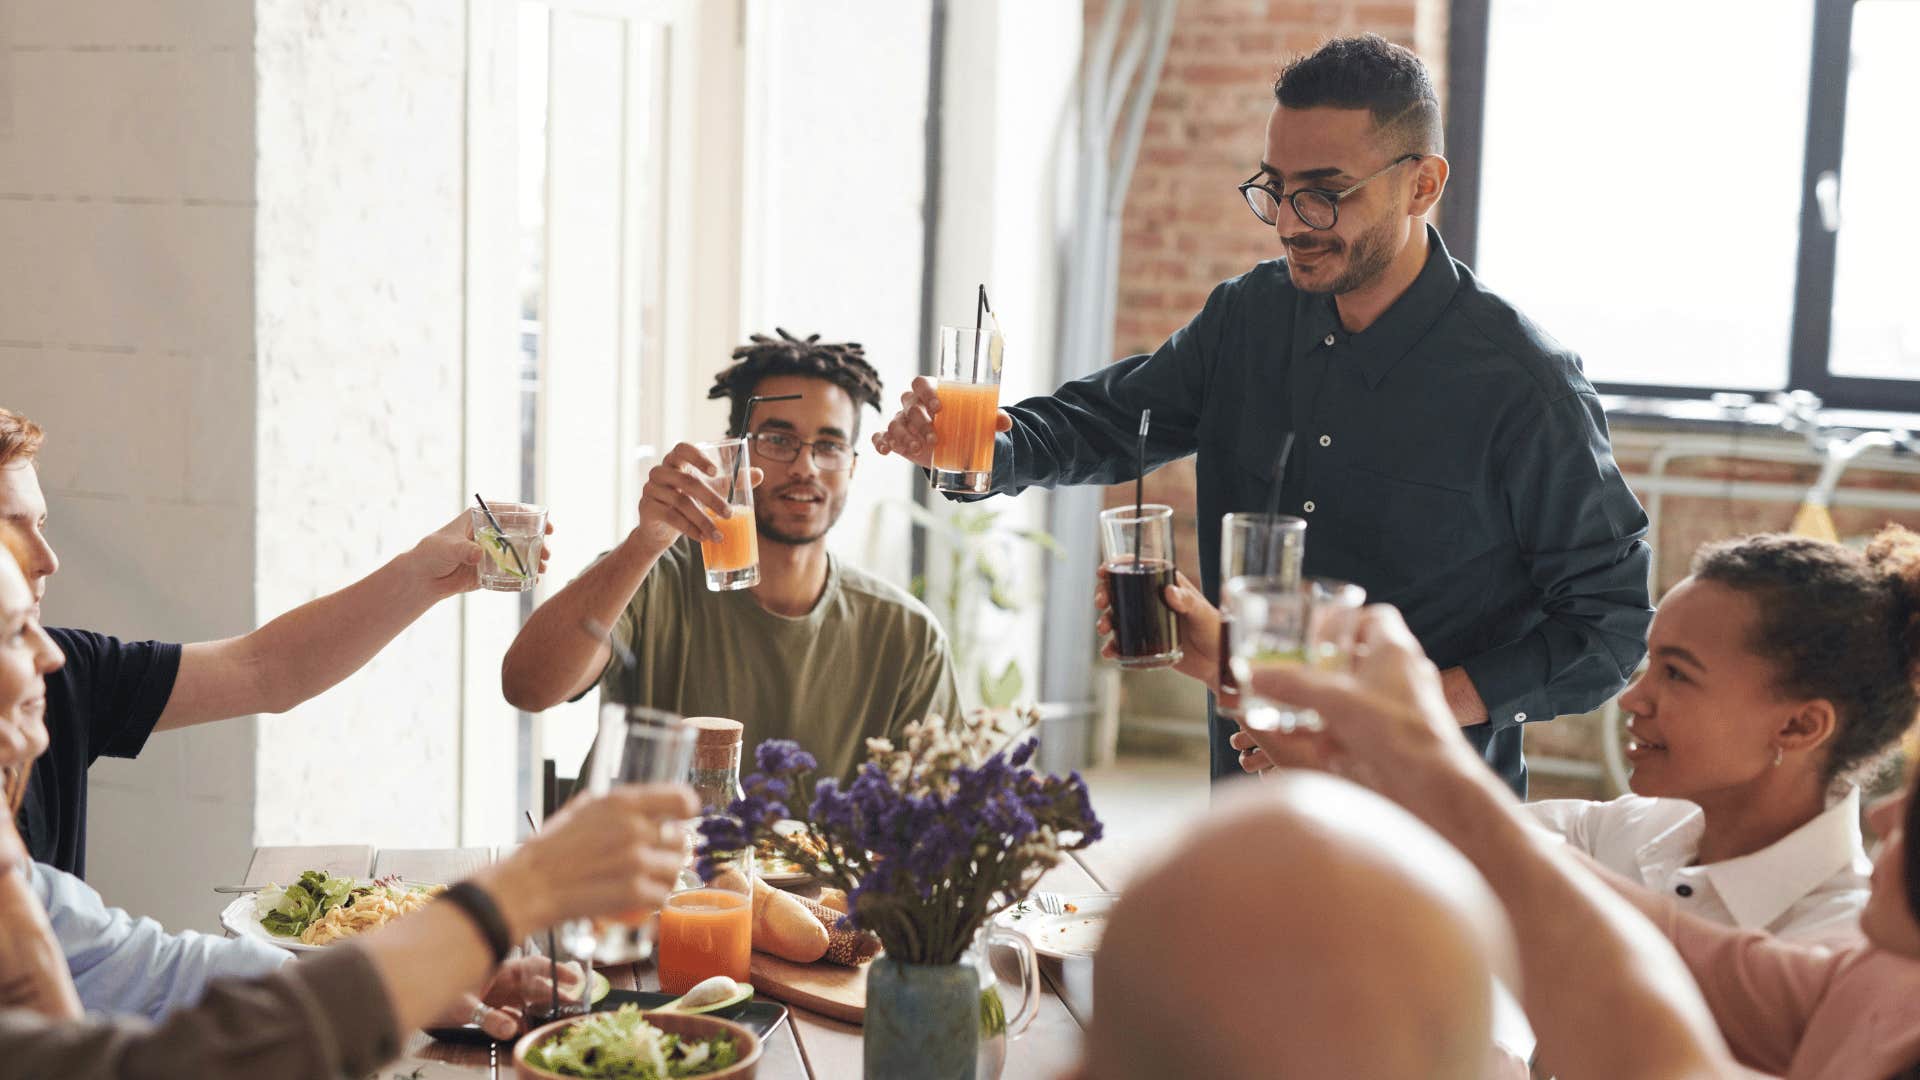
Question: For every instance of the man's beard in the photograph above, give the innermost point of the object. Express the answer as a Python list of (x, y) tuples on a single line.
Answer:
[(763, 522), (1368, 256)]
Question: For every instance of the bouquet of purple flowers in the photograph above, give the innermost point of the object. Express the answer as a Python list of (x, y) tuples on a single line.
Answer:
[(929, 840)]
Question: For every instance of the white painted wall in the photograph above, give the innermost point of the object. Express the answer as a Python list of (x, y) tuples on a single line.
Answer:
[(247, 354), (359, 272), (126, 241)]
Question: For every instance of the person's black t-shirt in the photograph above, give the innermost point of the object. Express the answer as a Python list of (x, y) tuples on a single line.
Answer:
[(105, 700)]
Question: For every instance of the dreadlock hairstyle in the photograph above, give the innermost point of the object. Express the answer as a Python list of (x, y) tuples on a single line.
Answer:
[(843, 365)]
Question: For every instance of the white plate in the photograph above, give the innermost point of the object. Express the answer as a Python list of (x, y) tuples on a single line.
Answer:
[(1070, 936), (785, 878), (240, 920)]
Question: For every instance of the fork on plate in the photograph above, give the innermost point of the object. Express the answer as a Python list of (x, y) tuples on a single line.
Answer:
[(1050, 903)]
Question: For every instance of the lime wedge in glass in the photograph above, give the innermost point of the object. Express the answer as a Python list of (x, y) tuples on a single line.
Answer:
[(498, 549)]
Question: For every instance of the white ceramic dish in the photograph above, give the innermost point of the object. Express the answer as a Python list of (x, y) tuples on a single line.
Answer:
[(1072, 935)]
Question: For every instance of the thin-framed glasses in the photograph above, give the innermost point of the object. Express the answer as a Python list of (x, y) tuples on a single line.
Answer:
[(829, 455), (1317, 209)]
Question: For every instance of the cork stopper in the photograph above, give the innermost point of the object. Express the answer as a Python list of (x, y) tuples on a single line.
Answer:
[(716, 731), (716, 743)]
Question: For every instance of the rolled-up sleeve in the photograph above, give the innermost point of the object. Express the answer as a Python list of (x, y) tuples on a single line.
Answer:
[(123, 965), (1582, 536), (325, 1018)]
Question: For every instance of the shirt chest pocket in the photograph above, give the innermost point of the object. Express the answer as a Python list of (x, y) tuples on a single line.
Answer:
[(1394, 532)]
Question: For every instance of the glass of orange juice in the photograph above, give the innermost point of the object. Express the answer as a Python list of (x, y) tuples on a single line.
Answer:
[(706, 928), (969, 388), (733, 561)]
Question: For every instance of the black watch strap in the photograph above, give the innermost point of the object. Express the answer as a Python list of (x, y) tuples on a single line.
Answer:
[(485, 914)]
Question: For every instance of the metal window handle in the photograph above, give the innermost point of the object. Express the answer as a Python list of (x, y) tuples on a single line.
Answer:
[(1826, 196)]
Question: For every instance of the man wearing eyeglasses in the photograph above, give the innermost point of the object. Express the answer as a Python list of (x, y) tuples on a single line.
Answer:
[(1446, 453), (817, 651)]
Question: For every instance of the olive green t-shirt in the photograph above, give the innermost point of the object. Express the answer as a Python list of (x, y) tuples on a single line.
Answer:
[(865, 662)]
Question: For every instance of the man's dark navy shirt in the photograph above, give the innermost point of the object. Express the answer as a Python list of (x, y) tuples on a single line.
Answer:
[(1451, 458), (104, 701)]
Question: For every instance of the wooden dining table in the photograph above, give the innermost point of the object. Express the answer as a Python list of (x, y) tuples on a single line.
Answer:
[(808, 1045)]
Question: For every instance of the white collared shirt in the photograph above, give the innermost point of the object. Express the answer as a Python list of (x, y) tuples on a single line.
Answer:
[(1808, 886)]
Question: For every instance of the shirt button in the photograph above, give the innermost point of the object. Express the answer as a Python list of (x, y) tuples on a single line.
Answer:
[(1683, 890), (1328, 340), (1326, 440), (1307, 506), (1519, 718)]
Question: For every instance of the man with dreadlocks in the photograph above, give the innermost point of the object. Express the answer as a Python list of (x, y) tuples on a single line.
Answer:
[(818, 651)]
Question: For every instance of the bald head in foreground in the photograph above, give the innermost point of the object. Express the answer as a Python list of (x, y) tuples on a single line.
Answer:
[(1307, 928)]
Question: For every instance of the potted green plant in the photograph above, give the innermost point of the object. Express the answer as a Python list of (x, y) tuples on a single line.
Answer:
[(978, 557)]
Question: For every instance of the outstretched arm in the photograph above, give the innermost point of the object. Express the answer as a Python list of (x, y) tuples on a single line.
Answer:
[(1592, 966), (313, 647), (555, 658)]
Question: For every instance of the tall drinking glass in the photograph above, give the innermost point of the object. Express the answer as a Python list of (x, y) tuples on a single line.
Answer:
[(968, 382), (1138, 545), (513, 550), (562, 983), (1253, 545), (636, 745), (733, 561), (1278, 623)]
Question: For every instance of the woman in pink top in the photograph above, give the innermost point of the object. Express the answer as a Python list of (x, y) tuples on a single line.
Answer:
[(1800, 1011)]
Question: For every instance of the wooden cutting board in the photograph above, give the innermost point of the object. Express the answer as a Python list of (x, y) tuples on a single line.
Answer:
[(828, 989)]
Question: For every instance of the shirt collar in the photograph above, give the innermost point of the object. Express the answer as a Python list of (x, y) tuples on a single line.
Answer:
[(1759, 888), (1398, 329)]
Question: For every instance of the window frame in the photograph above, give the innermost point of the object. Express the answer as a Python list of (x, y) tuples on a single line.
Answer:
[(1810, 336)]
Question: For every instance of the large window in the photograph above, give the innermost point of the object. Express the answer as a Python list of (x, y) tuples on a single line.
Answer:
[(601, 196), (1699, 195)]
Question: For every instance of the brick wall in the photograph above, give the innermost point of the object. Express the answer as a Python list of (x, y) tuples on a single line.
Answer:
[(1185, 228)]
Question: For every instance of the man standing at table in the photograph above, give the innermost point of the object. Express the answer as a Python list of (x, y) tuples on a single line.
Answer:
[(112, 694), (1448, 455), (818, 651)]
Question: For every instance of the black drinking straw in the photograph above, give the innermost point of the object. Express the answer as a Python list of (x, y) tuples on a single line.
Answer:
[(1140, 483), (553, 952), (746, 425), (980, 308), (501, 535), (1280, 474)]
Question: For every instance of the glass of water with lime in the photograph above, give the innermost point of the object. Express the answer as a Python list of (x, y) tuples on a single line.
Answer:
[(1279, 621), (511, 536)]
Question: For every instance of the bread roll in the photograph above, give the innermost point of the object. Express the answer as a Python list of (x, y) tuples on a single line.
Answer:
[(783, 926)]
